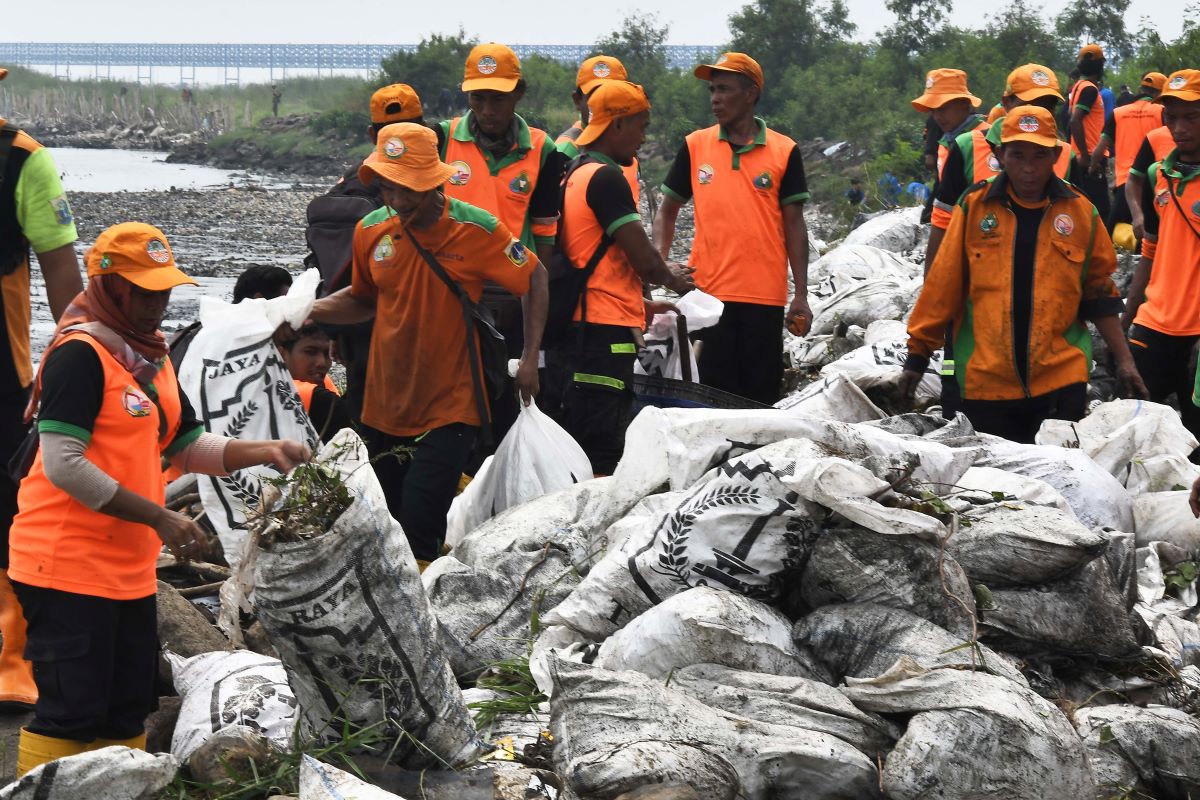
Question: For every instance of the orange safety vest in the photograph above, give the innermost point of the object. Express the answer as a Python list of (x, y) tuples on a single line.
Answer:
[(1093, 123), (1132, 123), (1161, 142), (56, 542), (505, 188), (614, 291), (943, 149), (739, 252), (306, 389)]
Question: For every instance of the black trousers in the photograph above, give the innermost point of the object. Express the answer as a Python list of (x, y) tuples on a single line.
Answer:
[(743, 353), (95, 662), (1096, 189), (1120, 209), (599, 400), (1019, 420), (354, 349), (1167, 366), (12, 432), (420, 481)]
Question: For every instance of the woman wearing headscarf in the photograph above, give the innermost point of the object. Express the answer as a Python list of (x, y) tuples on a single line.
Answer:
[(92, 523)]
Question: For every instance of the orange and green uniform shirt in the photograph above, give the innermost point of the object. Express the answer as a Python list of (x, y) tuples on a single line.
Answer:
[(597, 202), (508, 186), (973, 122), (1086, 95), (1155, 147), (1127, 128), (566, 145), (34, 215), (306, 389), (1172, 304), (971, 158), (1015, 300), (739, 252), (418, 373), (57, 542)]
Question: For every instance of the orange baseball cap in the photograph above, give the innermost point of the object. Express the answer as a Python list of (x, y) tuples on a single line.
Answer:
[(1183, 85), (1154, 80), (395, 103), (732, 62), (612, 100), (1030, 124), (406, 154), (491, 66), (1091, 52), (1030, 81), (942, 86), (139, 253), (598, 69)]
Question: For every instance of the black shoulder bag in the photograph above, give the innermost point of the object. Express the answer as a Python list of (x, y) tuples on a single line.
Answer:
[(489, 357), (568, 283)]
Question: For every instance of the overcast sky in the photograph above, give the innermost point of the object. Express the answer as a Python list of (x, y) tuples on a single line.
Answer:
[(403, 21)]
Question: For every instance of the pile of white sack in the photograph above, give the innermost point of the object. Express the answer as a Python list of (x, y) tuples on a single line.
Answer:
[(813, 602)]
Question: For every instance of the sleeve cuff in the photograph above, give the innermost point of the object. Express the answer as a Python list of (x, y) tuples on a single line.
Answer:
[(621, 222), (671, 193), (1136, 171), (182, 440), (65, 428), (940, 218), (66, 236), (1086, 108), (1100, 307), (1149, 248), (544, 240), (801, 197), (916, 363)]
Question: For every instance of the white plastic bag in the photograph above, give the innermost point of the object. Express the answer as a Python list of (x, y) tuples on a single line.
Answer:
[(662, 354), (223, 690), (322, 782), (110, 773), (240, 388), (535, 458)]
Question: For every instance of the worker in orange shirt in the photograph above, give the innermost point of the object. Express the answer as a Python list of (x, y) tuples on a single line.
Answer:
[(1124, 134), (748, 187), (594, 72), (1021, 266), (1088, 113), (91, 526)]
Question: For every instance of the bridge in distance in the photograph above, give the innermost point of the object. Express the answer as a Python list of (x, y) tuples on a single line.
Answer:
[(232, 58)]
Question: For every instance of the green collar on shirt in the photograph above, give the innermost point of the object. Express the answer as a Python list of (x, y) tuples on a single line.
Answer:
[(1170, 165), (462, 133)]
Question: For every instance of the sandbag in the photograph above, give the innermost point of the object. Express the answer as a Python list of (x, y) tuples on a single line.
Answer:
[(1011, 486), (1083, 614), (974, 736), (863, 302), (852, 565), (706, 626), (833, 397), (1097, 498), (535, 458), (813, 352), (351, 622), (1154, 750), (744, 530), (1014, 544), (1166, 517), (789, 701), (898, 230), (617, 731), (661, 354), (485, 615), (322, 782), (1143, 444), (876, 368), (239, 387), (861, 262), (110, 773), (864, 640), (224, 690)]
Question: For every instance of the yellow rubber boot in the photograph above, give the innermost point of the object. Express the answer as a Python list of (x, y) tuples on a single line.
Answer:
[(18, 692), (35, 750), (136, 743)]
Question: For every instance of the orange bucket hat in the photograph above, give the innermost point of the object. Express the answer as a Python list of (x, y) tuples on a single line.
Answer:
[(1030, 124), (942, 86), (612, 100), (139, 253), (406, 154), (598, 69), (395, 103), (491, 66)]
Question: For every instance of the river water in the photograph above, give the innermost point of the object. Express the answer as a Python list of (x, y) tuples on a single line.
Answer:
[(144, 171)]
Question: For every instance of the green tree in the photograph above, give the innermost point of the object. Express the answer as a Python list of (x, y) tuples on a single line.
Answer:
[(436, 65), (919, 25), (640, 44), (784, 33), (547, 102), (1020, 35), (1097, 21)]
